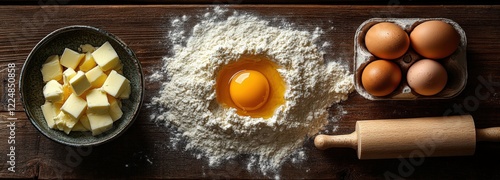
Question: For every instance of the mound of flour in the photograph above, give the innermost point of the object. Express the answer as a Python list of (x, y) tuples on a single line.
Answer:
[(218, 133)]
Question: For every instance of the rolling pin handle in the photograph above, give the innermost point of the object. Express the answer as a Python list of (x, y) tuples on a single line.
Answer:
[(488, 134), (323, 142)]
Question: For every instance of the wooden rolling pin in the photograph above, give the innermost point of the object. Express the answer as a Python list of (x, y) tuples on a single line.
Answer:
[(410, 138)]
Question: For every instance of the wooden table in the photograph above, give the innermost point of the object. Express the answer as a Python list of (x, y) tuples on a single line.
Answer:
[(142, 152)]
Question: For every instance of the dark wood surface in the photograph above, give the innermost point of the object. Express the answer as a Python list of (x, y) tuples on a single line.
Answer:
[(336, 2), (143, 151)]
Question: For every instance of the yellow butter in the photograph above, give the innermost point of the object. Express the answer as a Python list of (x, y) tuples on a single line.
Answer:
[(82, 103), (97, 101), (79, 83), (96, 77), (74, 106), (65, 122), (68, 74), (118, 68), (88, 63), (59, 122), (115, 110), (115, 84), (99, 123), (51, 69), (125, 94), (50, 111), (85, 48), (71, 59), (53, 91), (85, 121), (106, 57), (78, 127), (67, 91)]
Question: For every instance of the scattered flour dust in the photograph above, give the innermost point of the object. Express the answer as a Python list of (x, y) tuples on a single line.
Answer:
[(188, 102)]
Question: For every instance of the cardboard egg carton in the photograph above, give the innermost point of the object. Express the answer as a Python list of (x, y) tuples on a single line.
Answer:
[(455, 64)]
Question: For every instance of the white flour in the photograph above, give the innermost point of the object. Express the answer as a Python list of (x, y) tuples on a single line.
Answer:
[(211, 131)]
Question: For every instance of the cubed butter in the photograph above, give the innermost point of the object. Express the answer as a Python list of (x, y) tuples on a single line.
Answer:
[(88, 62), (68, 74), (79, 83), (106, 57), (65, 122), (67, 91), (99, 123), (115, 84), (74, 106), (112, 99), (78, 127), (97, 101), (85, 48), (59, 122), (71, 59), (85, 122), (50, 111), (92, 85), (126, 91), (96, 77), (69, 121), (118, 68), (114, 109), (53, 91), (51, 69)]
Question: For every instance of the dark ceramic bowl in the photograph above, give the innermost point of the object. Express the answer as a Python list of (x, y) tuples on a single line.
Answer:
[(31, 83)]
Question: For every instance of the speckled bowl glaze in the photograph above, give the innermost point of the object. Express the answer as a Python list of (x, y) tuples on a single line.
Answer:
[(31, 83)]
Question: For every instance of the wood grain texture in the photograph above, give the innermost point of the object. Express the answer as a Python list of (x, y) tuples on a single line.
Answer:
[(326, 2), (144, 150)]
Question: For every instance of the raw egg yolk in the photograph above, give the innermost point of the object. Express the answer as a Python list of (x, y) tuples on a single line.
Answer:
[(252, 85), (249, 89)]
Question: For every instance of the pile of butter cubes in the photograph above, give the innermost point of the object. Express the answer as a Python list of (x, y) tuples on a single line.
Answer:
[(83, 90)]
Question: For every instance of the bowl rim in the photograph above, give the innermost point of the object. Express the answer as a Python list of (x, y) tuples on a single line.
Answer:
[(50, 37)]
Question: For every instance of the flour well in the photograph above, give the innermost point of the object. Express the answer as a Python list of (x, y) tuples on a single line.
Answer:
[(217, 133)]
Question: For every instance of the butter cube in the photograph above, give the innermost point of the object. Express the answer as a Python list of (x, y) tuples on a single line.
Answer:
[(126, 91), (85, 48), (78, 127), (97, 101), (53, 91), (106, 57), (96, 77), (112, 99), (71, 59), (67, 130), (118, 68), (99, 123), (59, 122), (115, 84), (50, 111), (51, 69), (88, 62), (115, 110), (68, 74), (79, 83), (65, 122), (66, 91), (85, 122), (74, 106)]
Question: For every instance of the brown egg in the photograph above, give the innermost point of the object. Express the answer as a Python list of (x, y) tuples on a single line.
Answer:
[(434, 39), (387, 40), (381, 77), (427, 77)]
